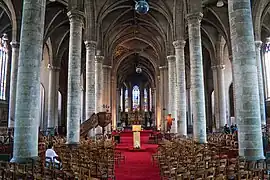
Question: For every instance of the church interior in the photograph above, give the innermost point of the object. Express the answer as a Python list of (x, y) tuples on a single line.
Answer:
[(135, 89)]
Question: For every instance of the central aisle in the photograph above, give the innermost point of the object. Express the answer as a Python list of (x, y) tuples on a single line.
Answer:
[(138, 165)]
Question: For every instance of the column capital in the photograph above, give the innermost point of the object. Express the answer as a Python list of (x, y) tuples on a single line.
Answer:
[(99, 59), (194, 17), (258, 45), (75, 15), (214, 67), (171, 58), (107, 67), (90, 45), (219, 66), (15, 44), (163, 67), (231, 58), (53, 68), (179, 44)]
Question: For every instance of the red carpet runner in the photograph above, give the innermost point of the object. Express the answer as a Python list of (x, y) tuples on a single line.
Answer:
[(138, 165)]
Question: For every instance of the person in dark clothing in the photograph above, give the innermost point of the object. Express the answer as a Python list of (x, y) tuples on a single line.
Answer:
[(226, 129)]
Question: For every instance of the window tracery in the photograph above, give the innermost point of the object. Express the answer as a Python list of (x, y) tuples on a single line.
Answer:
[(136, 98)]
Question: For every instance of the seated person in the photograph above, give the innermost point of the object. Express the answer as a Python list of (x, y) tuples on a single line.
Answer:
[(52, 157)]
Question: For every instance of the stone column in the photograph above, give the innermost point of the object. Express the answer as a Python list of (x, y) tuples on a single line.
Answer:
[(99, 83), (258, 45), (154, 106), (123, 98), (82, 104), (13, 82), (114, 109), (109, 95), (216, 101), (74, 77), (190, 123), (109, 87), (27, 107), (247, 99), (141, 97), (53, 96), (130, 98), (90, 79), (171, 91), (148, 100), (161, 100), (99, 87), (221, 96), (153, 93), (181, 86), (117, 105), (196, 77)]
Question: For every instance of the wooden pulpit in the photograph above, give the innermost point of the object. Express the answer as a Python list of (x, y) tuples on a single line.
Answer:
[(136, 136)]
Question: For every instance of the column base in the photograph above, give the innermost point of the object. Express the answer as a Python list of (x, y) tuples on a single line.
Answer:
[(25, 160), (72, 145), (254, 158)]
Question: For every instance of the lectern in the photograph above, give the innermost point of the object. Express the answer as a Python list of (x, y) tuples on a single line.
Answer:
[(136, 136)]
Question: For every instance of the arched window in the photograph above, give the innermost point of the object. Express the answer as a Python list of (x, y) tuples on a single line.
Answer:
[(136, 98), (3, 67), (126, 100), (267, 67), (145, 101)]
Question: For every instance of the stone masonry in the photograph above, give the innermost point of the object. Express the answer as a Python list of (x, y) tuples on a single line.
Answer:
[(28, 83), (181, 86), (196, 77), (247, 105), (74, 74)]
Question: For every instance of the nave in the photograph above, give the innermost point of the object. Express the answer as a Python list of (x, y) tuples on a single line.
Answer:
[(173, 158)]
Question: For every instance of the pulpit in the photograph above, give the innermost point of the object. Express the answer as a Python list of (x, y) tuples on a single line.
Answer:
[(136, 136)]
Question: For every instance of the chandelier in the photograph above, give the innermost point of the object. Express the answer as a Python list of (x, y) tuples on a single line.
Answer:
[(141, 6)]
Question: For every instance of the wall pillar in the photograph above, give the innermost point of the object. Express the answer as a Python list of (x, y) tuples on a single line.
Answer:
[(247, 99), (27, 107), (171, 93), (181, 86), (196, 77), (74, 77), (13, 82), (258, 45), (53, 96)]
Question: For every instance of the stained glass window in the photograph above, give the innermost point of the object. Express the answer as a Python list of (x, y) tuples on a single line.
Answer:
[(126, 101), (136, 98), (3, 66), (267, 67), (145, 101)]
